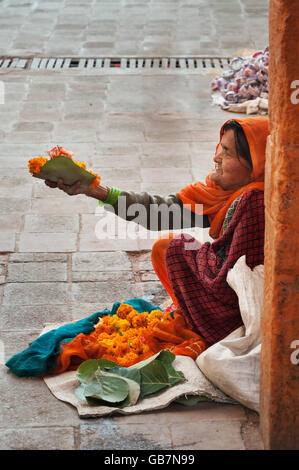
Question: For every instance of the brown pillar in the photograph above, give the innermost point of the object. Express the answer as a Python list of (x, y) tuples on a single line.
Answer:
[(280, 323)]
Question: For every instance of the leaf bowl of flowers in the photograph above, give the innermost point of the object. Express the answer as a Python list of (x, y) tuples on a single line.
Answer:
[(62, 165)]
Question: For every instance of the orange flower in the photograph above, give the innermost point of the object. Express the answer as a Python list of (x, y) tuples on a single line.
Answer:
[(96, 181), (35, 164), (56, 151), (129, 359), (139, 320), (123, 310), (122, 349)]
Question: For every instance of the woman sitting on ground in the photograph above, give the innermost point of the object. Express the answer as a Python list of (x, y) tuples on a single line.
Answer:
[(231, 203)]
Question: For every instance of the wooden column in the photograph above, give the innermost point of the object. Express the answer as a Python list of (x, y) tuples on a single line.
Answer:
[(280, 323)]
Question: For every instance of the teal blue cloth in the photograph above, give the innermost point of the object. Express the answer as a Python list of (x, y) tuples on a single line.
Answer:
[(40, 356)]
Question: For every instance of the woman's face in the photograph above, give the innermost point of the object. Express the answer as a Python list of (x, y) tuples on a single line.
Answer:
[(231, 172)]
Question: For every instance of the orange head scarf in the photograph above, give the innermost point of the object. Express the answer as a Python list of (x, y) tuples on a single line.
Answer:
[(215, 200)]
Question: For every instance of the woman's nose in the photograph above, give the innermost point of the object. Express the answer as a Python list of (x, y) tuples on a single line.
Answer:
[(217, 157)]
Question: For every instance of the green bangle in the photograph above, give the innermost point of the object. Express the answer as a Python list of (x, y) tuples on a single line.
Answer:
[(112, 197)]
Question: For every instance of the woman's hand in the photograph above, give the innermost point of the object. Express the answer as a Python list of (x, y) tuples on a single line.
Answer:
[(71, 190), (100, 192)]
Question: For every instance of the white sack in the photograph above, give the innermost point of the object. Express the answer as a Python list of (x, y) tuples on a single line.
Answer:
[(233, 364)]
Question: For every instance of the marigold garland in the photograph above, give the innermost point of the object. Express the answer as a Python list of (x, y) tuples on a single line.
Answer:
[(129, 337), (125, 334), (35, 164)]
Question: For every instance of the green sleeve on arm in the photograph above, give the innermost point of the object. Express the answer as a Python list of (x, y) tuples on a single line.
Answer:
[(111, 198)]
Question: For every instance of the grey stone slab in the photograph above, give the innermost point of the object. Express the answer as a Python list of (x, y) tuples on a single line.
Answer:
[(14, 205), (34, 257), (251, 435), (41, 190), (62, 206), (111, 276), (92, 242), (38, 438), (51, 223), (75, 126), (21, 186), (169, 149), (121, 134), (182, 415), (43, 293), (116, 149), (32, 112), (119, 174), (46, 92), (206, 435), (3, 258), (33, 126), (103, 291), (167, 161), (52, 242), (33, 316), (75, 135), (117, 162), (7, 241), (158, 175), (148, 276), (81, 105), (96, 116), (28, 137), (107, 434), (88, 222), (36, 272), (103, 261), (19, 150), (85, 309), (164, 188), (141, 261), (153, 292), (10, 223), (28, 402)]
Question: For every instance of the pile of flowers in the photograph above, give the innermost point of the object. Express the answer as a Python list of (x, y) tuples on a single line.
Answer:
[(126, 334), (246, 79), (35, 164)]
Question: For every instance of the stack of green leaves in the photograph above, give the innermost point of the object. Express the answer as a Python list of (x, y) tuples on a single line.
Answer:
[(106, 383)]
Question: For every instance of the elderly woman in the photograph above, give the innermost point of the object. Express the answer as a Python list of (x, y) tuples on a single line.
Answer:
[(231, 203)]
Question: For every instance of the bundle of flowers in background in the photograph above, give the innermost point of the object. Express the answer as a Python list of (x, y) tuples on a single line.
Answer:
[(245, 80), (62, 165)]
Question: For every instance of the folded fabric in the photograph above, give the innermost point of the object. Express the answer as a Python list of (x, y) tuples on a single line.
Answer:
[(41, 356)]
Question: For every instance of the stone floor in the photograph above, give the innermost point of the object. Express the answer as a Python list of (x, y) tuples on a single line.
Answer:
[(121, 27), (153, 131)]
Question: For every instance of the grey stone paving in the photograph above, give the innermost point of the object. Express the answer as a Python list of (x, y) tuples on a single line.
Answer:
[(131, 27), (147, 131)]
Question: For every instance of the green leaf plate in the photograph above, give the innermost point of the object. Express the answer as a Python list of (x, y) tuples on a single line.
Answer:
[(65, 168)]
